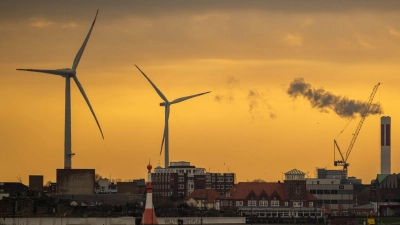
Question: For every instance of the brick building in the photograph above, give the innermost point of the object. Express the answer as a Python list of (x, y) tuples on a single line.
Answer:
[(275, 199), (180, 179), (386, 188)]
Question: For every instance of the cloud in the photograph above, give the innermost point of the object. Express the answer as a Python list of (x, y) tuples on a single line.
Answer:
[(294, 39), (69, 25), (40, 22), (393, 32), (307, 22), (323, 100)]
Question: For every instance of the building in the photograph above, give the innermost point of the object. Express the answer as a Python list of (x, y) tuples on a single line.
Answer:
[(180, 179), (12, 189), (331, 193), (386, 188), (127, 188), (385, 145), (36, 182), (264, 199), (203, 199), (75, 181), (323, 173)]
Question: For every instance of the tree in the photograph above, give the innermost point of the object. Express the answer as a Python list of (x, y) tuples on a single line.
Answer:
[(48, 183), (97, 177)]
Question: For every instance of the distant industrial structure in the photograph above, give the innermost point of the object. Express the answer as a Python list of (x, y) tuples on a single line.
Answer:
[(385, 145), (36, 182)]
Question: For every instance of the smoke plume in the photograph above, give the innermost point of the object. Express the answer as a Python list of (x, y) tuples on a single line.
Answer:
[(230, 81), (323, 100), (258, 104)]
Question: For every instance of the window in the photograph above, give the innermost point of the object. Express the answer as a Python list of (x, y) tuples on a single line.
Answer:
[(217, 186), (239, 203), (327, 192), (208, 186), (286, 203), (213, 179), (213, 187), (181, 179), (297, 204), (263, 203), (310, 204), (181, 186), (274, 202), (227, 187), (252, 202)]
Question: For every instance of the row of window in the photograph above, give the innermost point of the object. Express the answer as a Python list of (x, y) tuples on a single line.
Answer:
[(209, 186), (273, 203), (286, 214), (219, 179), (331, 192)]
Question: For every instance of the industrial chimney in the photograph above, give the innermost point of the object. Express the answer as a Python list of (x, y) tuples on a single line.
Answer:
[(385, 145)]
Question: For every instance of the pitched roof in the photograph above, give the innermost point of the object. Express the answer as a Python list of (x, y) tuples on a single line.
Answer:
[(209, 194), (243, 189), (381, 177), (390, 181), (295, 172)]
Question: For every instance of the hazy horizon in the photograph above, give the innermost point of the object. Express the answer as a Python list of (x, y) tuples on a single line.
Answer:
[(286, 79)]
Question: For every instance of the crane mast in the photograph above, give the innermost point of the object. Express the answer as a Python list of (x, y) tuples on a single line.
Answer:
[(343, 161)]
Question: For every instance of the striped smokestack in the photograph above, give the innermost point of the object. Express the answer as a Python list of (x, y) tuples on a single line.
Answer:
[(385, 144)]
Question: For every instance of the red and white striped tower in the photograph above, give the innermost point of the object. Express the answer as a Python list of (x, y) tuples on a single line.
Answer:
[(149, 216)]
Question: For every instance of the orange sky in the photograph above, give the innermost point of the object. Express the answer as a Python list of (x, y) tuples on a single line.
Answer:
[(245, 53)]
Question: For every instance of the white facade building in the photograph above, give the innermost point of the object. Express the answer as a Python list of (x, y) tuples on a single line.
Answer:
[(330, 192)]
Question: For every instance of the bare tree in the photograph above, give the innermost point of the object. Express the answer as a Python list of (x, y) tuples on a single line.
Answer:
[(97, 177), (48, 183)]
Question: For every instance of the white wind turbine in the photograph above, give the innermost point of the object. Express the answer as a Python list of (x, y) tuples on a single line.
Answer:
[(68, 74), (167, 104)]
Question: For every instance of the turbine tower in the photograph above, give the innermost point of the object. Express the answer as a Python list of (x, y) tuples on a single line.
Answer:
[(167, 104), (68, 73)]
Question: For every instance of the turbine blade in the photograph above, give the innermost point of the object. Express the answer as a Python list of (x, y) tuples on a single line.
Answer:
[(162, 142), (80, 52), (188, 97), (88, 103), (154, 86), (60, 72)]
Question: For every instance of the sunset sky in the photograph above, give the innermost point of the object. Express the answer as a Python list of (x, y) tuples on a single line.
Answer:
[(247, 53)]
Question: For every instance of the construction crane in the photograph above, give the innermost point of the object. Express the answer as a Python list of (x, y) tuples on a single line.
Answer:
[(343, 162)]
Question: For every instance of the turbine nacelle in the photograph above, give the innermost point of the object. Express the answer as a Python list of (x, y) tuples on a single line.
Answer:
[(163, 104), (67, 72)]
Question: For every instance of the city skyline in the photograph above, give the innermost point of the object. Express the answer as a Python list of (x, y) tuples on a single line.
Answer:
[(248, 55)]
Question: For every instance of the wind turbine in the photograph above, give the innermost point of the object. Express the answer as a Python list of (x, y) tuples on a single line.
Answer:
[(68, 73), (167, 104)]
